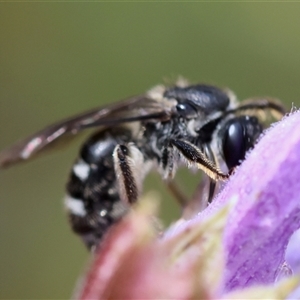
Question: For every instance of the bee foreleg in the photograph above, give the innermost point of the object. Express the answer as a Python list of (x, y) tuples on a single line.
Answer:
[(129, 168), (169, 164), (195, 156)]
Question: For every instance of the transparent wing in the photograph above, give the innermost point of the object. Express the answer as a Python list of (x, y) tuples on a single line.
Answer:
[(129, 110)]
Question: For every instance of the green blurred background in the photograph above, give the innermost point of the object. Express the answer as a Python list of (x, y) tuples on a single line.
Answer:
[(57, 59)]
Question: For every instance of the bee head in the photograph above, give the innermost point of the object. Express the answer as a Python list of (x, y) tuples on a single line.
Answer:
[(198, 100)]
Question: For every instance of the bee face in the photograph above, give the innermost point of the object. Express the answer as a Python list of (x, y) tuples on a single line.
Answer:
[(168, 127)]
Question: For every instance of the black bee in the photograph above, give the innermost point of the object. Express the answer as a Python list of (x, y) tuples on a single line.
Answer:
[(196, 125)]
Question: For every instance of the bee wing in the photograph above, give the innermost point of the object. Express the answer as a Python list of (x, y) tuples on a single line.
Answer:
[(130, 110)]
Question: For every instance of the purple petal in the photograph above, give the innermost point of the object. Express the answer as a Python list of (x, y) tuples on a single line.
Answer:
[(266, 192)]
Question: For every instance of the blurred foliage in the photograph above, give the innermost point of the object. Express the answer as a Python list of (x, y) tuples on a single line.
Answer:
[(57, 59)]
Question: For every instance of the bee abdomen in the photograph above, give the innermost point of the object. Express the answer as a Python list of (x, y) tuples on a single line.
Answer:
[(93, 200)]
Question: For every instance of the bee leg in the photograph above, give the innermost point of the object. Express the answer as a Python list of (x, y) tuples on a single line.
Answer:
[(205, 190), (195, 156), (199, 199), (169, 166), (130, 171), (168, 163), (212, 184), (181, 198), (276, 109)]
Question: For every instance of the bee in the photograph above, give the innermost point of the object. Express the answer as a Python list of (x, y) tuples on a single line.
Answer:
[(198, 125)]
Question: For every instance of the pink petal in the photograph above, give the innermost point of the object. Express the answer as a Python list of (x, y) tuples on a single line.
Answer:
[(133, 264)]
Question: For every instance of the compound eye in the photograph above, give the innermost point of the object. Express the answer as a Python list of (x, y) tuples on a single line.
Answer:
[(238, 136), (234, 144), (186, 110)]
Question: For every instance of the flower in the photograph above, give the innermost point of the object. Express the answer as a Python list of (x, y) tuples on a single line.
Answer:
[(236, 248)]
